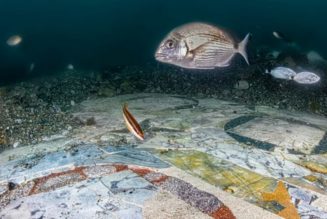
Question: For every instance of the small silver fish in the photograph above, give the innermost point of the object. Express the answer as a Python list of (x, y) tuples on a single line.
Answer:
[(282, 73), (14, 40), (31, 67), (306, 78), (278, 35), (200, 46), (70, 67), (314, 57), (281, 36)]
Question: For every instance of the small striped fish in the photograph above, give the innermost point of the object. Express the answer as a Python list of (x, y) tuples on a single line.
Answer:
[(132, 124), (200, 46)]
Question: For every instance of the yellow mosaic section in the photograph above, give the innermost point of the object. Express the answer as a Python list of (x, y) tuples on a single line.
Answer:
[(239, 181), (281, 196)]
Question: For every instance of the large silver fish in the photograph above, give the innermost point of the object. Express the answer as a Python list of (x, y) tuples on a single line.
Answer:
[(200, 46)]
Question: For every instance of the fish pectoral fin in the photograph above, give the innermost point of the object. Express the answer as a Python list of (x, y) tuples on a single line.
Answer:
[(205, 56), (200, 48)]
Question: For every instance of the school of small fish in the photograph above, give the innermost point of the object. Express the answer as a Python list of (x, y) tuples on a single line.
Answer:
[(289, 74)]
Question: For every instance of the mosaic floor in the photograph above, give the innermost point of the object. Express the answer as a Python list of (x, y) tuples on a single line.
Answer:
[(201, 158)]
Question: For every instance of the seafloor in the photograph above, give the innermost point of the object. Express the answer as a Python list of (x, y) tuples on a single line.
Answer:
[(228, 144)]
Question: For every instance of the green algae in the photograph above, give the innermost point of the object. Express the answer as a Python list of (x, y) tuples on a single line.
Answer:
[(225, 175)]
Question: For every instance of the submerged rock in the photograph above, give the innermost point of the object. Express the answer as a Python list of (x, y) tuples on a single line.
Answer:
[(107, 92)]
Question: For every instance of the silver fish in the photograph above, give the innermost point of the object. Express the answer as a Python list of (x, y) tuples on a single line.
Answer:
[(281, 36), (314, 57), (31, 68), (70, 67), (277, 35), (14, 40), (282, 73), (306, 78), (200, 46)]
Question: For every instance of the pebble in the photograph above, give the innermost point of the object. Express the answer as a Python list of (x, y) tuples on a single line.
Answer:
[(19, 121), (16, 144), (242, 85), (107, 92), (65, 132), (39, 108), (239, 93), (226, 92), (104, 138)]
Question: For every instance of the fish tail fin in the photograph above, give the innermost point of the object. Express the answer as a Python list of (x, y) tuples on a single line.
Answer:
[(242, 48)]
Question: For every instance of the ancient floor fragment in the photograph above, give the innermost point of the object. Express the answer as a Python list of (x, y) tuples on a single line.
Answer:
[(255, 155)]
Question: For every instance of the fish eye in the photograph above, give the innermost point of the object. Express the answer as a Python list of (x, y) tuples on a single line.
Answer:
[(169, 44)]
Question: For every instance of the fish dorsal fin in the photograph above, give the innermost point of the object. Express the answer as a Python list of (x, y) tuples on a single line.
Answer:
[(202, 29)]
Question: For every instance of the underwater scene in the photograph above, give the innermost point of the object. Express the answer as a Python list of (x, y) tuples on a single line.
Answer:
[(163, 109)]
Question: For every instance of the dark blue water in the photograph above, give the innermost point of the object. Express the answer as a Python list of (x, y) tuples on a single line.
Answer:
[(94, 34)]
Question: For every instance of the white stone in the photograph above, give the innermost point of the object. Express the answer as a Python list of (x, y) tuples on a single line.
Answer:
[(16, 144), (242, 85)]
